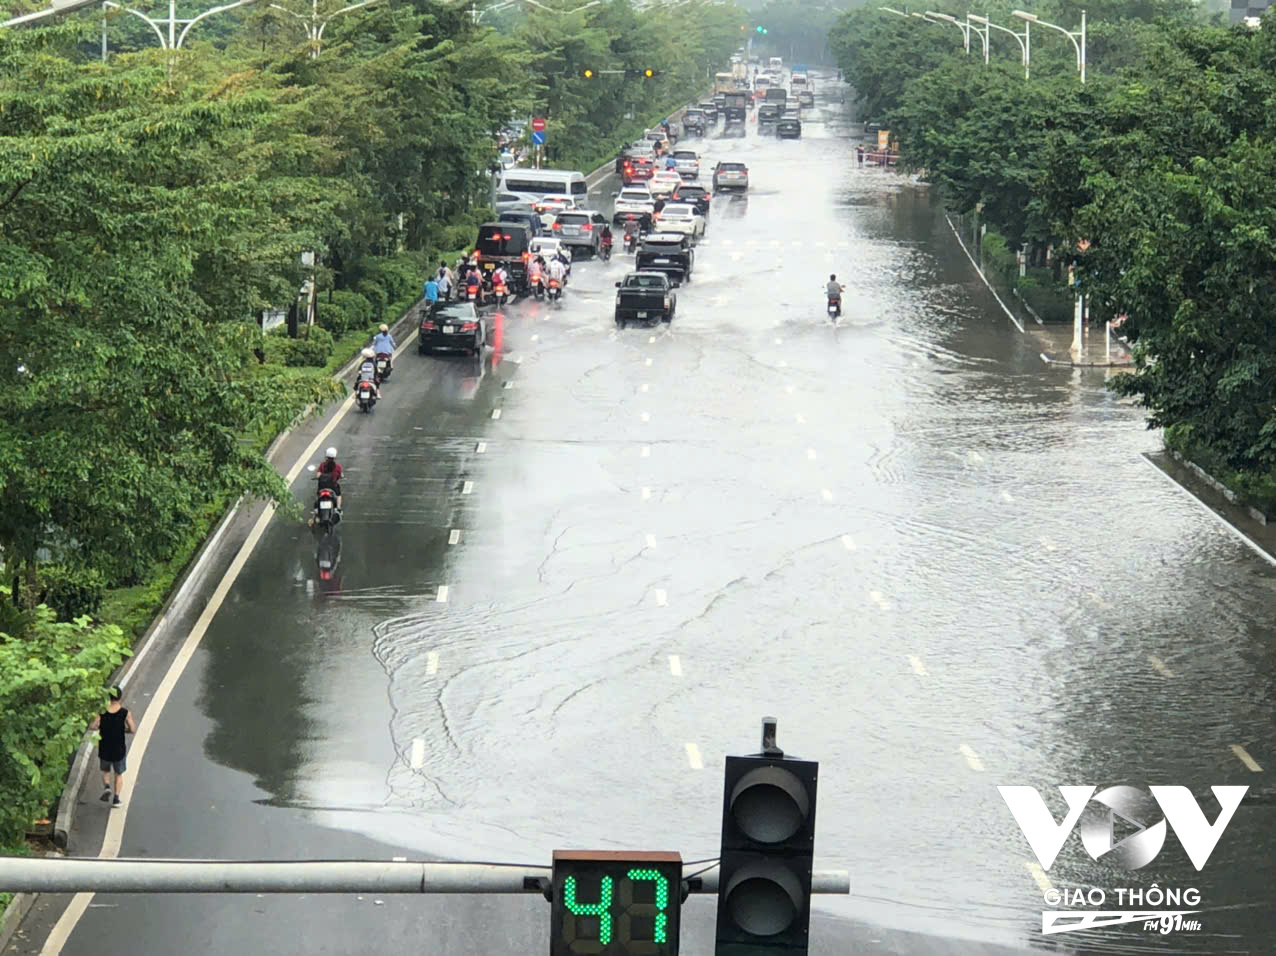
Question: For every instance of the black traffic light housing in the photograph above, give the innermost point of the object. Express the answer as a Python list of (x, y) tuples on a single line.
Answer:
[(768, 848)]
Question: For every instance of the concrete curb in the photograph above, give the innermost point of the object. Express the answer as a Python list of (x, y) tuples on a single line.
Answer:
[(13, 916), (1226, 492), (983, 278)]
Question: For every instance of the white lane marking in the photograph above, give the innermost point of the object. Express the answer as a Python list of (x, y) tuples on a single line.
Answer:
[(675, 665), (783, 363), (1007, 497), (646, 416), (454, 537), (432, 662), (1243, 755), (1160, 666), (693, 757), (661, 597), (467, 487), (974, 457), (648, 363), (751, 242), (779, 341), (651, 541), (775, 243), (480, 448), (796, 242), (1039, 875), (496, 413), (972, 758), (826, 494), (441, 597), (847, 543), (728, 242), (737, 255), (644, 387), (646, 451), (1047, 543), (1226, 525), (810, 454), (651, 339), (800, 419), (918, 667), (418, 754), (646, 493), (819, 243), (789, 389), (508, 385), (398, 859), (114, 836), (879, 600), (535, 338)]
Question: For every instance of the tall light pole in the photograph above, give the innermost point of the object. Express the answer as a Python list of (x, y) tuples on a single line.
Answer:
[(1023, 39), (174, 40), (965, 29), (898, 13), (1071, 35), (315, 24)]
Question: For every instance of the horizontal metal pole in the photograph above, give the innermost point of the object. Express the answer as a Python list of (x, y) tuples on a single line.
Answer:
[(306, 876)]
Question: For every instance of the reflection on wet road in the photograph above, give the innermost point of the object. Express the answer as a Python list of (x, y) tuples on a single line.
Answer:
[(574, 575)]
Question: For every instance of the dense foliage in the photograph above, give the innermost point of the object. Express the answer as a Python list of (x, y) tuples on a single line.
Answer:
[(1155, 178)]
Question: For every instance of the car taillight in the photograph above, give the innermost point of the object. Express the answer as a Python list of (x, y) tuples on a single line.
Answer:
[(588, 227), (557, 227), (469, 326), (427, 326)]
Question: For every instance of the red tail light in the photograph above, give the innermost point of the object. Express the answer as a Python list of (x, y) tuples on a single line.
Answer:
[(526, 256), (469, 326), (427, 326), (588, 227), (557, 227), (553, 283)]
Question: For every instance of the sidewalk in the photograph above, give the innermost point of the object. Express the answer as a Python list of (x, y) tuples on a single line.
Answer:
[(1055, 342)]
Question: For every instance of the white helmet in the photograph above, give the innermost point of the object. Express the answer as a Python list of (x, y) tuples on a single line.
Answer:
[(368, 353), (384, 327), (331, 453)]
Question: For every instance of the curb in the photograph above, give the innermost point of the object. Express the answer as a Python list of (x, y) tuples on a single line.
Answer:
[(1231, 496), (980, 272), (1071, 364), (65, 817), (13, 916)]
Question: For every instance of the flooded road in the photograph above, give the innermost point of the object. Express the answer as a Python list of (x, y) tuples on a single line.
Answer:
[(575, 574)]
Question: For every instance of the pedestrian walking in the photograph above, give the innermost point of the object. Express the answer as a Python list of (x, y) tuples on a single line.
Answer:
[(859, 154), (112, 724)]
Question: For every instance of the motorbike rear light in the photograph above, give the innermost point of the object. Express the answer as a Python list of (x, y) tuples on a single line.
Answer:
[(526, 256)]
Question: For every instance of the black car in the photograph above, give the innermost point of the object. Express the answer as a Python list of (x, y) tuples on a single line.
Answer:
[(788, 129), (768, 113), (645, 297), (505, 243), (526, 218), (694, 194), (455, 327), (693, 122), (667, 252)]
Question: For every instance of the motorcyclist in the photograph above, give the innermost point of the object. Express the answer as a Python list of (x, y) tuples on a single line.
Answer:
[(499, 278), (383, 344), (368, 372), (835, 290), (329, 474), (561, 257), (557, 270), (606, 240), (474, 280), (631, 234), (534, 270)]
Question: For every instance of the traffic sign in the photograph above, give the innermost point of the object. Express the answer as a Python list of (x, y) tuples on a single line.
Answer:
[(538, 124), (538, 138)]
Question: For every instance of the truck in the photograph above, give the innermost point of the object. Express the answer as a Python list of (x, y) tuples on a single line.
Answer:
[(723, 82), (737, 108), (645, 297), (740, 71), (777, 95)]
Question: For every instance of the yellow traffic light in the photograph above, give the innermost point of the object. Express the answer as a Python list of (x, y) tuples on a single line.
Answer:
[(589, 74), (648, 73)]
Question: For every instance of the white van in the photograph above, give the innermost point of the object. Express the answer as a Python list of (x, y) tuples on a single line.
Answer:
[(532, 184)]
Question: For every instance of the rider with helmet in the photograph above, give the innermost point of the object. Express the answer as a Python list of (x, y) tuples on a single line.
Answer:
[(368, 372), (383, 344), (329, 474)]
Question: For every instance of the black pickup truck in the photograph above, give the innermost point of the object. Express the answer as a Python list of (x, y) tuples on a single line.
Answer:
[(645, 297), (667, 252)]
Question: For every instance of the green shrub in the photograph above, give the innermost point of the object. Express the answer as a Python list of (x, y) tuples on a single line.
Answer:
[(347, 310), (71, 592), (458, 237), (311, 348)]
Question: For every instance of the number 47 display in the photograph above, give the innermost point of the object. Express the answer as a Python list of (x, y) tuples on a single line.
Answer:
[(609, 903)]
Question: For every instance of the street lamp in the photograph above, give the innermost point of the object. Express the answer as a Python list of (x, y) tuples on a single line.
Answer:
[(1079, 47), (1023, 39), (174, 40), (898, 13), (965, 28), (315, 28)]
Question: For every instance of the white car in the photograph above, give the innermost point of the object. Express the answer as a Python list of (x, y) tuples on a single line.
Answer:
[(681, 217), (547, 246), (634, 199), (664, 182), (550, 206)]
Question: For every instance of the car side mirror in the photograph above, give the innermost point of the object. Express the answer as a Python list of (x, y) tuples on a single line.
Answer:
[(617, 285), (615, 195)]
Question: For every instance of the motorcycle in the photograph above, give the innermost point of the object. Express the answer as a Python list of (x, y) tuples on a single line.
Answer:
[(498, 291), (383, 365), (538, 286), (326, 514), (835, 307), (472, 293), (604, 250), (365, 394), (328, 557), (555, 290)]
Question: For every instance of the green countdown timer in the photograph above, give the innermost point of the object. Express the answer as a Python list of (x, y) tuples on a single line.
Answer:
[(616, 903)]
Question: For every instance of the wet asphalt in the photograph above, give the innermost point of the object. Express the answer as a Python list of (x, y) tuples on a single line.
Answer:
[(575, 574)]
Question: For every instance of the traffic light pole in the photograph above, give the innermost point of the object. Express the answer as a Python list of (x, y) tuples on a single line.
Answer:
[(80, 875)]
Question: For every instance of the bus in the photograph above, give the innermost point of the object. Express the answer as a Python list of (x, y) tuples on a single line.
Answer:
[(533, 184)]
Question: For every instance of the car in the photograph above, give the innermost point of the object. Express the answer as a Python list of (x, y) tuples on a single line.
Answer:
[(550, 206), (693, 121), (548, 246), (525, 217), (657, 138), (505, 243), (710, 111), (667, 252), (633, 199), (575, 229), (665, 182), (638, 168), (507, 159), (506, 201), (806, 98), (730, 175), (788, 129), (687, 161), (645, 297), (454, 327), (682, 218), (768, 113), (695, 195)]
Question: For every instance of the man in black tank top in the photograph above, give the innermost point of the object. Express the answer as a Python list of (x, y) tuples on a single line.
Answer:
[(113, 724)]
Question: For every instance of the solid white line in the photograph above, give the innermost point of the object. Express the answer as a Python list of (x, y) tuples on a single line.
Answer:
[(918, 667), (826, 494), (693, 757), (1160, 666), (651, 541), (810, 454), (418, 754), (480, 448), (432, 662), (454, 537), (1243, 755), (675, 665), (972, 758), (661, 598), (644, 387), (1215, 515), (467, 487), (646, 416), (496, 413), (646, 492), (847, 543), (646, 451), (1039, 875), (441, 598)]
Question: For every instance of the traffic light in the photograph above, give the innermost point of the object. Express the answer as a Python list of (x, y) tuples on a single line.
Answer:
[(644, 74), (588, 73), (768, 847)]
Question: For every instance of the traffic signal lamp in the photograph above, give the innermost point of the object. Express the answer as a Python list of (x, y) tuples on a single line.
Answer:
[(768, 847), (643, 74), (588, 73)]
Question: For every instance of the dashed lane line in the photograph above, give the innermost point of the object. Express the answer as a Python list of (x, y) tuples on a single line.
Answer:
[(418, 754), (918, 667), (646, 451), (1159, 665), (645, 416), (480, 448), (1039, 875), (879, 600), (972, 758), (826, 494), (810, 454), (467, 488), (693, 757), (432, 662), (644, 387), (441, 597), (646, 493), (848, 543), (1047, 544), (675, 665), (661, 598), (1007, 497), (454, 537), (789, 389), (1243, 756), (648, 363), (800, 420), (651, 541), (651, 339), (496, 413)]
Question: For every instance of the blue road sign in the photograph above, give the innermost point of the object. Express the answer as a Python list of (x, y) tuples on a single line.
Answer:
[(538, 138)]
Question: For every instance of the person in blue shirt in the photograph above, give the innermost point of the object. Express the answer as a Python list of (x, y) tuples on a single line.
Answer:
[(431, 295), (383, 344), (670, 162)]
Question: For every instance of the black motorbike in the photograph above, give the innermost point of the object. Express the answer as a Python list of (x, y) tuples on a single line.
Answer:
[(326, 514), (365, 393)]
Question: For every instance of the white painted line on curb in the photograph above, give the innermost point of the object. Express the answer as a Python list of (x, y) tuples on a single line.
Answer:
[(661, 597), (432, 662), (454, 537), (1243, 756), (646, 451), (467, 487), (441, 598), (693, 757), (918, 667), (675, 665), (848, 543), (1039, 875), (1160, 666), (418, 754), (496, 413), (480, 448), (826, 494), (972, 758), (1215, 515), (651, 541)]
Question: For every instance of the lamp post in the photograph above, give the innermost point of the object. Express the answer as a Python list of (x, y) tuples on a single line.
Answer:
[(898, 13), (315, 25), (1071, 35), (1023, 39), (174, 40), (965, 28)]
